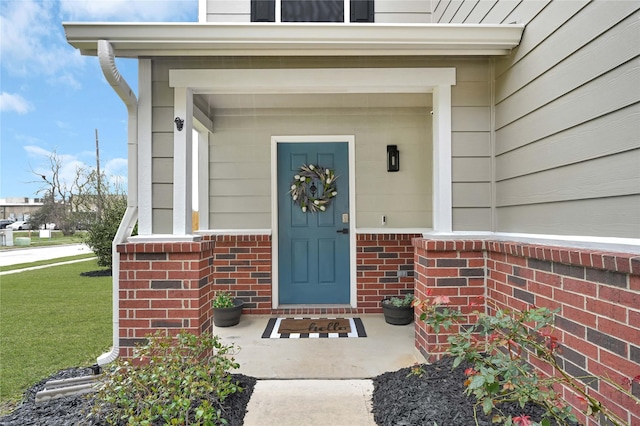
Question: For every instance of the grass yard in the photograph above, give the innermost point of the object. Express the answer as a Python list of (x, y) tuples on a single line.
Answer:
[(51, 319)]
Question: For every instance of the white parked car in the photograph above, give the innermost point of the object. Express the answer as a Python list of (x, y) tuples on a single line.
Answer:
[(19, 225)]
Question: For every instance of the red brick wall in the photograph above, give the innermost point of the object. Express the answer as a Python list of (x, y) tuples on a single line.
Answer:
[(169, 286), (384, 268), (163, 286), (242, 265), (598, 294), (448, 268)]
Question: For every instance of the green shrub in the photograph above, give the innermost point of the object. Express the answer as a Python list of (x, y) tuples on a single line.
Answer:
[(178, 381), (100, 234)]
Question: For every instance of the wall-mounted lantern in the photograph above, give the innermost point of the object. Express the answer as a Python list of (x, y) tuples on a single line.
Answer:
[(393, 158), (179, 123)]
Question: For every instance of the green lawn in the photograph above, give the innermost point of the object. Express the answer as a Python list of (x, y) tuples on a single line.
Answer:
[(51, 319)]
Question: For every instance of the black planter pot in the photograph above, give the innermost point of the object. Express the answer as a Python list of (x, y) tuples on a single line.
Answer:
[(397, 315), (226, 317)]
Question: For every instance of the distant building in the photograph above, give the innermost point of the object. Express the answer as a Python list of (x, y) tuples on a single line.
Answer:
[(19, 208)]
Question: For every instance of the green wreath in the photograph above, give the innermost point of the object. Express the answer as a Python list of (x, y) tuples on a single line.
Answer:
[(305, 194)]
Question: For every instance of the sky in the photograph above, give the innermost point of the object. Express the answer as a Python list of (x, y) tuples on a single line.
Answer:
[(52, 99)]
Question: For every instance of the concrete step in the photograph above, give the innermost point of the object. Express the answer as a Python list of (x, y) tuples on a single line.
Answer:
[(54, 389)]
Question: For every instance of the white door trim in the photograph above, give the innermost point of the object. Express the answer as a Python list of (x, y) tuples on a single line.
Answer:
[(275, 140)]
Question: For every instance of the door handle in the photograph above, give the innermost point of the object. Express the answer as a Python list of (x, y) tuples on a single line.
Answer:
[(343, 231)]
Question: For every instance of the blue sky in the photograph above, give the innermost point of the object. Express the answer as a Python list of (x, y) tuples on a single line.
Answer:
[(53, 99)]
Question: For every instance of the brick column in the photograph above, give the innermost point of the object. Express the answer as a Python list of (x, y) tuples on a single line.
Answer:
[(164, 286), (448, 268)]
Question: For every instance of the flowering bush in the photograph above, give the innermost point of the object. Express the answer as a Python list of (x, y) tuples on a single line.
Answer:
[(501, 347), (178, 381)]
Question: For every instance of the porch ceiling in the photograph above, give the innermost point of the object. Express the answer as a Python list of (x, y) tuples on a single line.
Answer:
[(294, 39)]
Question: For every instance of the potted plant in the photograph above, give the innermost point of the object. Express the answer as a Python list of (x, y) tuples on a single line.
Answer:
[(398, 310), (226, 309)]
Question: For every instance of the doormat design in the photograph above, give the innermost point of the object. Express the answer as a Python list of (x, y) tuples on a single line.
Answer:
[(305, 328)]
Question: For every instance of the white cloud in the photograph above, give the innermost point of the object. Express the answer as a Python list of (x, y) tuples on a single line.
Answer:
[(116, 166), (14, 103), (116, 171), (130, 10), (32, 42)]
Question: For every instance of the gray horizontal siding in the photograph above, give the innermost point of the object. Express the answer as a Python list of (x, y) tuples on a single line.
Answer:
[(567, 129), (619, 131), (471, 147), (604, 177), (486, 11), (603, 217), (245, 132)]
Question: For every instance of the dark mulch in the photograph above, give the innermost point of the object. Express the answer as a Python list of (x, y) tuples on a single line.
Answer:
[(437, 398), (399, 399), (73, 410), (97, 273)]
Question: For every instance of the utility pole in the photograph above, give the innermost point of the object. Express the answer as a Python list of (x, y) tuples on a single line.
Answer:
[(99, 178)]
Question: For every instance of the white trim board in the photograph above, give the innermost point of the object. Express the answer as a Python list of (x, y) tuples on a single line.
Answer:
[(348, 80), (134, 39), (313, 80), (624, 245)]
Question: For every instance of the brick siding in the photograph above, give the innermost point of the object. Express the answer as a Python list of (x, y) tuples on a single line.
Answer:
[(384, 268), (169, 286), (597, 294), (163, 286)]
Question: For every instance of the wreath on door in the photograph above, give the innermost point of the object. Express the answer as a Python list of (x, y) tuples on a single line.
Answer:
[(307, 195)]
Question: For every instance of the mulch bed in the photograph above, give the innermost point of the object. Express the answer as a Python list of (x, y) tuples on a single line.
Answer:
[(97, 273), (437, 398), (73, 410), (399, 399)]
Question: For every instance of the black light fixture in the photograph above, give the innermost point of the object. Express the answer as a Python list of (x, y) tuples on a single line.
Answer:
[(179, 123), (393, 158)]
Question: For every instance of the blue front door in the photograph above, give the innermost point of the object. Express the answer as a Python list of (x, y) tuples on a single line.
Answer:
[(313, 247)]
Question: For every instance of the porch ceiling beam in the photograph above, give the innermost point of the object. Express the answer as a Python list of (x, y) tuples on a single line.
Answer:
[(313, 80), (294, 39)]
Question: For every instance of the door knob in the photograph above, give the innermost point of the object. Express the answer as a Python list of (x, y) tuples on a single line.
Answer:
[(343, 231)]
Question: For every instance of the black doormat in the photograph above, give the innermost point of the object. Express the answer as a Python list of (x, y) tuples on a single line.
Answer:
[(309, 328)]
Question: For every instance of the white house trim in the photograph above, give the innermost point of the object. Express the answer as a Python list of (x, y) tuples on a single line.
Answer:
[(442, 198), (350, 139), (338, 80), (201, 157), (182, 159), (294, 39), (313, 80)]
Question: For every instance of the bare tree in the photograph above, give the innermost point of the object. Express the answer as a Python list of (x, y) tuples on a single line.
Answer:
[(72, 203)]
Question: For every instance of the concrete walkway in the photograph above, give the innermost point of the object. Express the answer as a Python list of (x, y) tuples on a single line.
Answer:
[(14, 256), (317, 382), (310, 403)]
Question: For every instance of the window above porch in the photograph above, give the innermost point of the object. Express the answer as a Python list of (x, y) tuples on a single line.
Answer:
[(312, 11)]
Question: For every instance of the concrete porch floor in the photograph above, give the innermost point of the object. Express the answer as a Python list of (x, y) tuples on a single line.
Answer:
[(386, 348)]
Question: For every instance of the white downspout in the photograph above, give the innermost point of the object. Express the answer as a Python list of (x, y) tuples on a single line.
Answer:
[(107, 63)]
